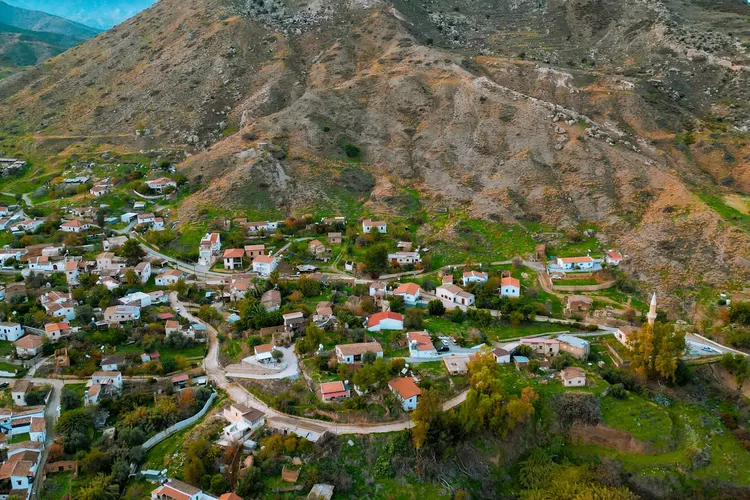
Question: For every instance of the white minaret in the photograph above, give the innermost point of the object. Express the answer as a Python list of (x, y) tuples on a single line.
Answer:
[(652, 311)]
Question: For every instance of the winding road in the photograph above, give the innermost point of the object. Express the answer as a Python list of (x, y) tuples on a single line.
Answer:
[(275, 418)]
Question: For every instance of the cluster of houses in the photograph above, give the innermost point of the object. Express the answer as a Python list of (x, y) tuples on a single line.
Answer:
[(23, 459)]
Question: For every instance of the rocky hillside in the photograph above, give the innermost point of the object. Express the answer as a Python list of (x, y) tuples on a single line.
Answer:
[(628, 115)]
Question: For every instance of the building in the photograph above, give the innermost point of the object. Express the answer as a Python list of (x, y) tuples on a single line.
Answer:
[(112, 363), (520, 362), (352, 353), (175, 489), (572, 376), (316, 248), (38, 430), (406, 391), (543, 346), (116, 315), (264, 264), (170, 277), (334, 238), (252, 251), (28, 346), (143, 270), (294, 322), (74, 226), (208, 250), (10, 331), (378, 289), (455, 294), (243, 421), (573, 263), (333, 390), (379, 226), (613, 258), (405, 258), (575, 346), (56, 331), (651, 316), (625, 334), (71, 272), (271, 300), (234, 258), (113, 378), (578, 303), (457, 365), (160, 184), (510, 287), (20, 389), (99, 190), (264, 353), (410, 292), (474, 277), (385, 320), (108, 261), (501, 356), (113, 243), (420, 345)]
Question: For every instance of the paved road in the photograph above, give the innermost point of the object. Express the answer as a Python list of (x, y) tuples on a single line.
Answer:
[(699, 339)]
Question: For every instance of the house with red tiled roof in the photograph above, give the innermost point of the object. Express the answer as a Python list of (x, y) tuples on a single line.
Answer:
[(208, 250), (333, 390), (175, 489), (264, 264), (613, 258), (580, 262), (474, 277), (74, 226), (378, 225), (385, 320), (410, 292), (510, 287), (56, 331), (420, 345), (407, 391), (234, 258), (160, 184)]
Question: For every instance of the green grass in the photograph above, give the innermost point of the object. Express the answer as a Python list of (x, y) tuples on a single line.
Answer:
[(318, 376), (496, 331), (646, 421), (577, 282), (10, 368), (482, 241), (20, 438), (57, 486), (162, 456), (729, 214), (6, 347)]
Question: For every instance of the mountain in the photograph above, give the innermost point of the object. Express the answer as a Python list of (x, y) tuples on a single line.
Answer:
[(99, 14), (626, 117), (34, 20)]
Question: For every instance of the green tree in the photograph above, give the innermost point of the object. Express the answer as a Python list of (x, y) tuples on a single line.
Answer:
[(428, 410), (70, 400), (100, 488), (657, 350), (132, 251), (435, 307), (739, 312), (414, 319), (376, 257), (78, 420), (250, 484)]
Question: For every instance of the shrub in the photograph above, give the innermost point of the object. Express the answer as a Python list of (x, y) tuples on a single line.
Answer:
[(572, 407)]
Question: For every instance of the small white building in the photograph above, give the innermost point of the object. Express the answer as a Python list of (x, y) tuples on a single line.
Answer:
[(74, 226), (420, 345), (379, 226), (570, 263), (352, 353), (405, 258), (209, 249), (501, 356), (410, 292), (510, 287), (28, 346), (455, 294), (573, 376), (160, 184), (264, 264), (613, 258), (170, 277), (264, 353), (114, 243), (385, 320), (117, 315), (407, 391), (474, 277), (11, 331), (234, 258)]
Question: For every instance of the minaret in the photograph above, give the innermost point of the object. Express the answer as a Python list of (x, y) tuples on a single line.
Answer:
[(652, 311)]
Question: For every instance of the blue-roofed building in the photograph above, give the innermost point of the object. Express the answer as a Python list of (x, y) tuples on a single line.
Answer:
[(520, 361), (575, 346)]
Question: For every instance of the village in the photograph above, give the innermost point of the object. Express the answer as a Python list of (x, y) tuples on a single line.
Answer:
[(267, 332)]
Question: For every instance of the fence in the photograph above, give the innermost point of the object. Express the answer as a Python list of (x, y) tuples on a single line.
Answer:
[(154, 440)]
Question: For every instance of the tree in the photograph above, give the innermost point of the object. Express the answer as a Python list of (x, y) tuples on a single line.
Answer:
[(100, 488), (414, 319), (397, 303), (95, 461), (250, 484), (132, 251), (219, 485), (78, 420), (657, 350), (739, 312), (435, 307), (368, 358), (427, 411), (277, 355), (168, 365), (69, 400), (131, 277), (85, 313), (376, 257)]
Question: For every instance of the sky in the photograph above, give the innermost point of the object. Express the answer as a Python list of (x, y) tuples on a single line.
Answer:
[(100, 14)]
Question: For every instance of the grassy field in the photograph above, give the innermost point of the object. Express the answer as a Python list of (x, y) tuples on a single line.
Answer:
[(577, 282), (646, 421), (58, 485), (496, 331), (20, 438), (6, 347)]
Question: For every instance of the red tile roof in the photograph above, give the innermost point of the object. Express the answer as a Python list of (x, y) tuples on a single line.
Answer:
[(405, 387), (407, 288), (376, 318)]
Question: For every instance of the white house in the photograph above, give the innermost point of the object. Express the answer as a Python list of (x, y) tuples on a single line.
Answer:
[(573, 376), (264, 353), (406, 391), (501, 356), (74, 226), (56, 331), (420, 345), (38, 430), (378, 289), (112, 363), (107, 260), (352, 353), (28, 346), (145, 219), (613, 258), (405, 257), (11, 331), (264, 264), (454, 294), (170, 277), (234, 258), (99, 190), (581, 262), (625, 334), (474, 277), (410, 292), (380, 226), (160, 184), (510, 287), (113, 243), (71, 272), (175, 489), (333, 390), (209, 249), (116, 315), (385, 320), (107, 378), (143, 270), (543, 346), (243, 421)]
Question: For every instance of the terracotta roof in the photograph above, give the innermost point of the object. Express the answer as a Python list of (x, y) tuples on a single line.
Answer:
[(38, 424), (405, 387), (408, 288), (55, 327), (576, 260), (264, 259), (230, 496), (572, 372), (510, 281), (359, 348), (24, 445), (451, 288), (105, 374), (234, 253), (254, 248), (376, 318), (28, 342), (288, 475), (332, 387), (22, 385), (73, 223), (263, 348), (177, 487), (477, 274), (180, 378), (423, 340)]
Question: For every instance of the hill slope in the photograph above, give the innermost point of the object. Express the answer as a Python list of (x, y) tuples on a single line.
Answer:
[(34, 20), (626, 120)]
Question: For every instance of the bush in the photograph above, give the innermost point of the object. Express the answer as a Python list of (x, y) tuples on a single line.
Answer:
[(572, 407), (351, 150), (436, 308), (618, 391)]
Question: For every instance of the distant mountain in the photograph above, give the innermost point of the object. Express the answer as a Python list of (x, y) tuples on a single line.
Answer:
[(20, 47), (34, 20), (100, 14)]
